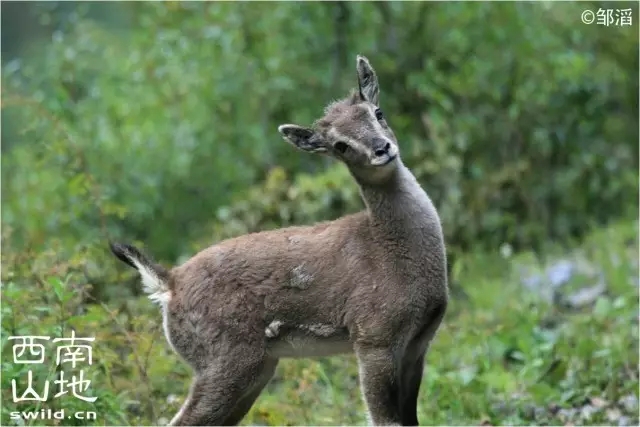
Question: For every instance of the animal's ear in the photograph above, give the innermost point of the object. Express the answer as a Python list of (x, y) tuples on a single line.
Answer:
[(367, 81), (303, 138)]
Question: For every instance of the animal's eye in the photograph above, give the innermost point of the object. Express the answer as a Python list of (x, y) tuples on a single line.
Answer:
[(379, 114), (341, 147)]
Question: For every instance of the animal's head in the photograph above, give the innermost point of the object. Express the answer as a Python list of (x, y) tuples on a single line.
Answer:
[(353, 130)]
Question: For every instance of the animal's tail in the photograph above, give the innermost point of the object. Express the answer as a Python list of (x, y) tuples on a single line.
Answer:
[(155, 278)]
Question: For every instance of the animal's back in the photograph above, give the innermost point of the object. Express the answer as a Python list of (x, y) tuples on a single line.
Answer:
[(281, 274)]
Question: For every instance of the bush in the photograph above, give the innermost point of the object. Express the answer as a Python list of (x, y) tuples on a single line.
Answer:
[(520, 133)]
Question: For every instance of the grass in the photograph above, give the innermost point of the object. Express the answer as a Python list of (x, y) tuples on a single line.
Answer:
[(506, 353)]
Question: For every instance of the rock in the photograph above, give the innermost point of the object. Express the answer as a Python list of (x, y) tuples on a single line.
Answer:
[(587, 412), (539, 412), (629, 403), (625, 421), (613, 415), (560, 273), (567, 414), (585, 296), (598, 402)]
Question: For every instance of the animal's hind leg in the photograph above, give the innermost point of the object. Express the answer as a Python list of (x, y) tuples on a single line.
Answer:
[(216, 391), (245, 403)]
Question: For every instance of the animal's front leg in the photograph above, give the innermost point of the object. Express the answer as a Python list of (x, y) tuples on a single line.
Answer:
[(412, 371), (412, 368)]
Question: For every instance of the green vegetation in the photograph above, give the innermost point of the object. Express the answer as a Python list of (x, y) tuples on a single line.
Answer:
[(520, 121), (504, 355)]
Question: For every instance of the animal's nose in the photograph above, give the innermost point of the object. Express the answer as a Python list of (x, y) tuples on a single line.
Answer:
[(382, 151)]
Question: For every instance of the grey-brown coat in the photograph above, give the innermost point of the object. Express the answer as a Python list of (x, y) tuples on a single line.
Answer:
[(373, 283)]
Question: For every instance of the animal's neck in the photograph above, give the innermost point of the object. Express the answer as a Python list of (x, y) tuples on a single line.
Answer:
[(399, 203)]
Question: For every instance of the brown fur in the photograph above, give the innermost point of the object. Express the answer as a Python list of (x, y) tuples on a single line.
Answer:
[(373, 283)]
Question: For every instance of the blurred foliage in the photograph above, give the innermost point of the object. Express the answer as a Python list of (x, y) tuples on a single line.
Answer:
[(519, 120), (521, 132), (504, 356), (49, 297)]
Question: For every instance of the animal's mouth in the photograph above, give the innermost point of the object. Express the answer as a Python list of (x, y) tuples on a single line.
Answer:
[(390, 158)]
